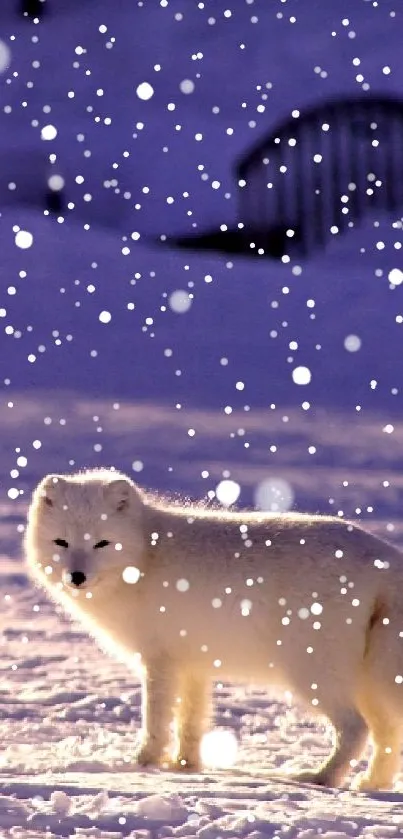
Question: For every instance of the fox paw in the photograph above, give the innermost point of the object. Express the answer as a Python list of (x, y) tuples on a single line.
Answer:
[(180, 764), (311, 777), (147, 755), (364, 783)]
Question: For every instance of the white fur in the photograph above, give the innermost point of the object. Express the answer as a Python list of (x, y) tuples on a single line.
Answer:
[(343, 662)]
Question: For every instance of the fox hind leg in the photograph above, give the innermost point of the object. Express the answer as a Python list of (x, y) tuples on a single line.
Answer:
[(350, 736), (386, 735)]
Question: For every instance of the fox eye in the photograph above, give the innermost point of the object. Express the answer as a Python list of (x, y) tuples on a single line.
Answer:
[(61, 543), (102, 544)]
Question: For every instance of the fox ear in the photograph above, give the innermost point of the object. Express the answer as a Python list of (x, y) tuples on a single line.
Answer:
[(119, 494), (48, 488)]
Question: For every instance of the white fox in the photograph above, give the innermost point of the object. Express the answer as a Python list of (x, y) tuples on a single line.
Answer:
[(188, 595)]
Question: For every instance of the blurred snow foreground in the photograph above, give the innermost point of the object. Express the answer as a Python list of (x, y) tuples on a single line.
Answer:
[(216, 376)]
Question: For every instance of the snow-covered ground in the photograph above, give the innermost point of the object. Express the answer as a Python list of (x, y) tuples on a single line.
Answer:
[(68, 724), (99, 367)]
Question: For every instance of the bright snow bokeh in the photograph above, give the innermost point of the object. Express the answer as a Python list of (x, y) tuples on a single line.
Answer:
[(274, 494), (48, 132), (131, 574), (180, 301), (227, 492), (352, 343), (187, 86), (56, 182), (395, 276), (219, 749), (23, 239), (105, 316), (145, 90), (301, 375)]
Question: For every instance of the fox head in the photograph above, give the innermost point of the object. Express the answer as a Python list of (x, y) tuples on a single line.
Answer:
[(84, 532)]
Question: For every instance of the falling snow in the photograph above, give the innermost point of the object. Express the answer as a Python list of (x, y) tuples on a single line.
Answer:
[(227, 492), (48, 132), (145, 90), (131, 574), (395, 276), (274, 494), (23, 239), (180, 301), (278, 390), (352, 343), (301, 375), (105, 317)]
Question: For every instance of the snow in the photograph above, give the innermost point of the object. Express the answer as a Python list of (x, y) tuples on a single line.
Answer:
[(131, 574), (23, 239), (227, 492), (216, 377), (274, 494)]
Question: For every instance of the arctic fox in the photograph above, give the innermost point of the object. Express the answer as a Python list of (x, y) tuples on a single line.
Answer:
[(189, 595)]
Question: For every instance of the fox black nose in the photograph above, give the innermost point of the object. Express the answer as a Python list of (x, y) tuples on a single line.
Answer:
[(77, 578)]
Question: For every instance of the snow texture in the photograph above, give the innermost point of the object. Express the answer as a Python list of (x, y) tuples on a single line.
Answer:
[(177, 367)]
